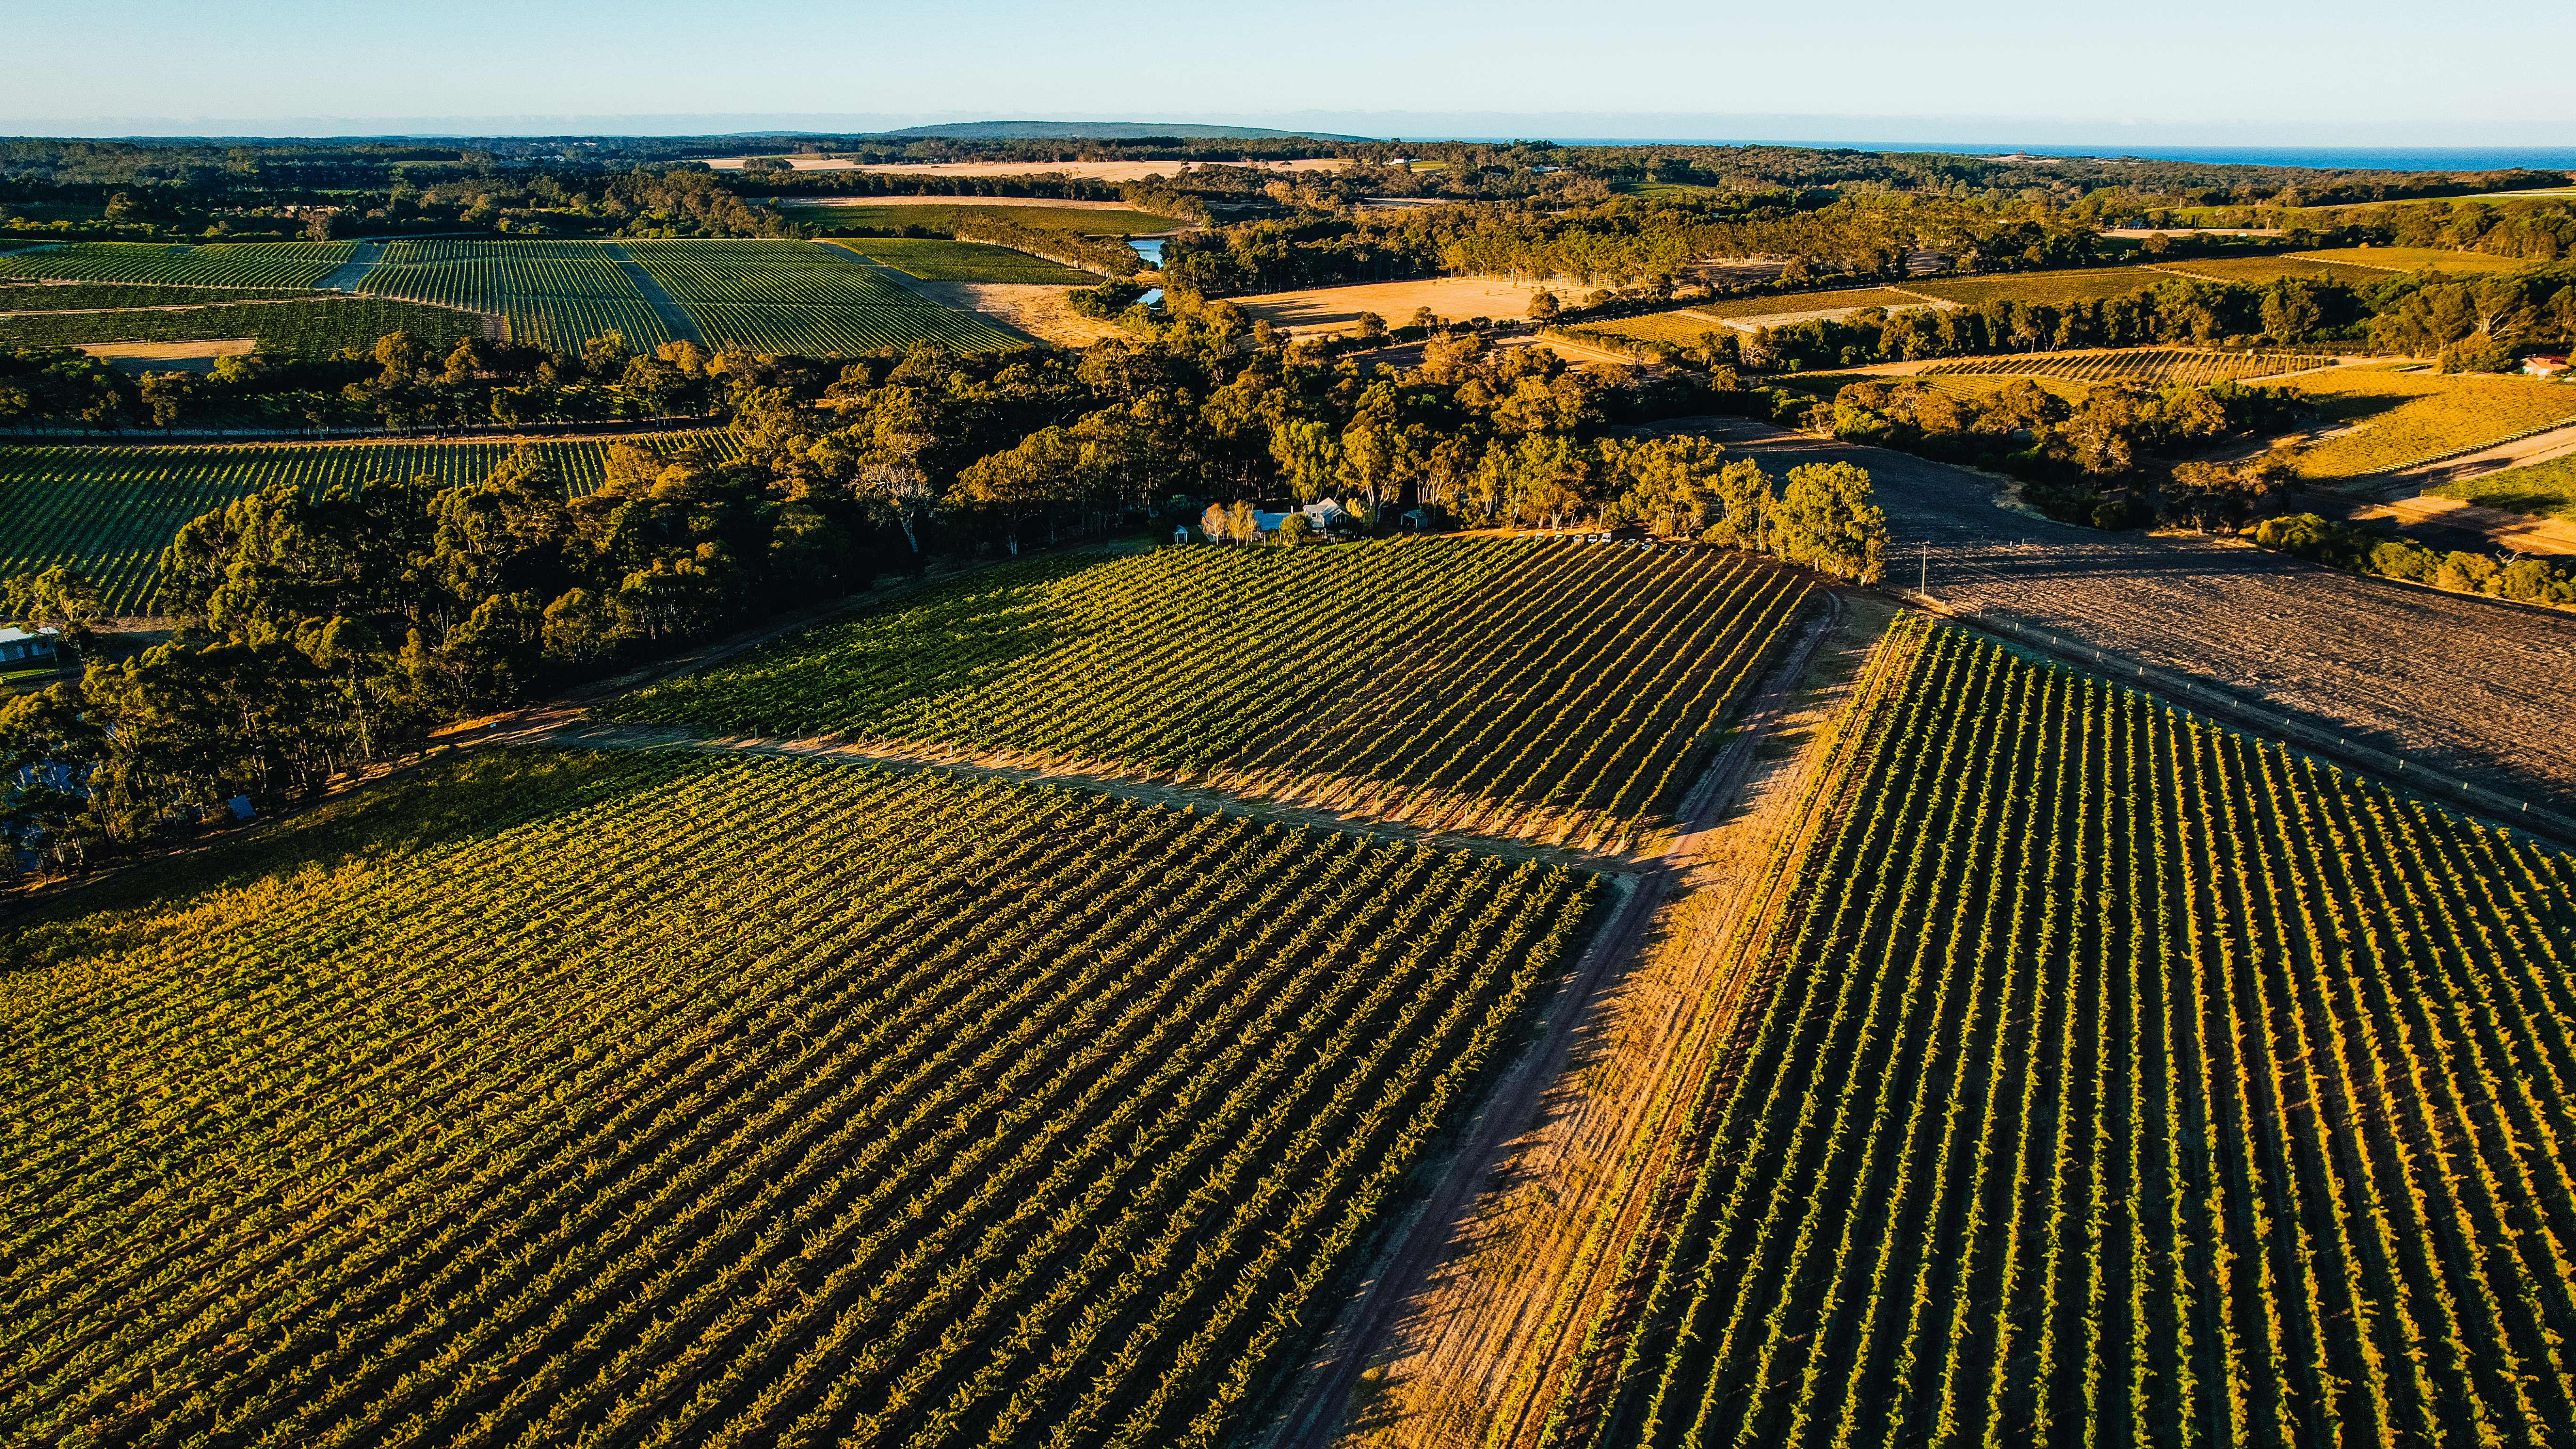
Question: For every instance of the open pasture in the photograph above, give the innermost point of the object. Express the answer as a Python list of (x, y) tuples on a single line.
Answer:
[(891, 1109), (2416, 259), (216, 264), (1539, 688), (2124, 1079), (2054, 289), (2385, 419), (303, 329), (2147, 366), (110, 511), (956, 261)]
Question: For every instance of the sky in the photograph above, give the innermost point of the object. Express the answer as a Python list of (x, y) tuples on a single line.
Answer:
[(2358, 72)]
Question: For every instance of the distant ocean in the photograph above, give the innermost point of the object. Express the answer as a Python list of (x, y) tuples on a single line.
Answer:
[(2345, 158)]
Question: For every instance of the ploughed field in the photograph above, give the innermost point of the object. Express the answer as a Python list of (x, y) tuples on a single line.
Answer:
[(1542, 688), (657, 1098), (2466, 685), (2126, 1079), (110, 511)]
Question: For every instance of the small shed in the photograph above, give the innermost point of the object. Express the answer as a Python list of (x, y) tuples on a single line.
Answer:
[(2544, 366), (1181, 534)]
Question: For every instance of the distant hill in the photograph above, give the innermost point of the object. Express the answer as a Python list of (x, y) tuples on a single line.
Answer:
[(1101, 131)]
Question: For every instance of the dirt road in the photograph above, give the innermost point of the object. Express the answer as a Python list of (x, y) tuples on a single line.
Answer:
[(1428, 1349), (2475, 687)]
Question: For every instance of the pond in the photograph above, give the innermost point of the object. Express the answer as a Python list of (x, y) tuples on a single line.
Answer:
[(1151, 249)]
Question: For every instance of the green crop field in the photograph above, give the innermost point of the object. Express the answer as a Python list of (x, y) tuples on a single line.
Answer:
[(943, 216), (217, 264), (798, 297), (556, 294), (290, 329), (2121, 1080), (2548, 489), (2051, 288), (470, 1109), (2400, 418), (2146, 365), (771, 296), (1538, 687), (2255, 271), (72, 296), (954, 261), (2418, 259), (110, 511)]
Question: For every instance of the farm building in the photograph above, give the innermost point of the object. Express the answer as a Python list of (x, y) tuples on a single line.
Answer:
[(2544, 366), (23, 647), (1326, 513)]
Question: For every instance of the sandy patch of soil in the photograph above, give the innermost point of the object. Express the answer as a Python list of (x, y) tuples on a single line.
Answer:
[(1337, 309), (973, 201), (196, 356), (1036, 308)]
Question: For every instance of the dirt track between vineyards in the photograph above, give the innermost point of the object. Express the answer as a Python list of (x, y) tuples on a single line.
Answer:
[(2474, 687)]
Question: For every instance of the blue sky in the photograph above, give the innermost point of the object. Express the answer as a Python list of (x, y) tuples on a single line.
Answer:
[(2364, 72)]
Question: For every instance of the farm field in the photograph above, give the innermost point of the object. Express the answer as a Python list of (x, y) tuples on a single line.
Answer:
[(217, 264), (941, 213), (555, 294), (2126, 1079), (2405, 417), (71, 296), (2052, 288), (889, 1111), (289, 329), (2417, 259), (1332, 309), (2145, 365), (955, 261), (1546, 689), (1794, 303), (110, 511), (2546, 488), (797, 297), (2255, 271), (771, 296)]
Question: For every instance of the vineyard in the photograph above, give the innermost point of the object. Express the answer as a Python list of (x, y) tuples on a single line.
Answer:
[(2148, 366), (110, 511), (2255, 271), (770, 296), (2416, 259), (942, 216), (896, 1110), (2054, 289), (218, 264), (1546, 689), (290, 329), (955, 261), (555, 294), (61, 297), (2123, 1079), (2387, 419)]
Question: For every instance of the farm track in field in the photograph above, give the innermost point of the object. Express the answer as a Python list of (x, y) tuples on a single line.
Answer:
[(674, 316), (2469, 686), (1410, 1306)]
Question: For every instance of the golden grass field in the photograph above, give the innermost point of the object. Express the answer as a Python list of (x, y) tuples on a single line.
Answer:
[(1336, 309), (2390, 419)]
